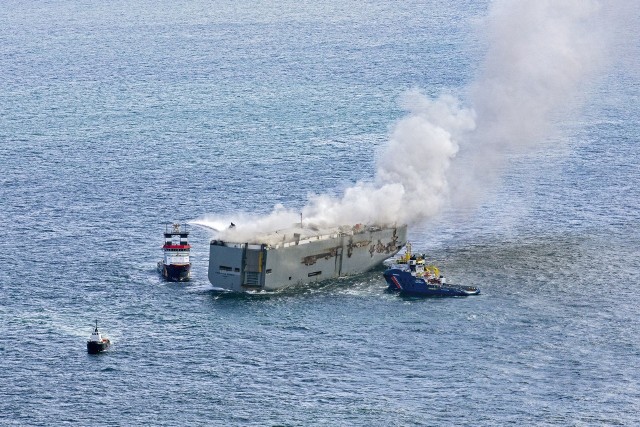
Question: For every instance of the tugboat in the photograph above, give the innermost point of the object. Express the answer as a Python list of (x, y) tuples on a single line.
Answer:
[(175, 266), (97, 343), (410, 276)]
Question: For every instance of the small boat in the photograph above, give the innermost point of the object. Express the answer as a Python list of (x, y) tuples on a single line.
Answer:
[(97, 343), (409, 275), (175, 265)]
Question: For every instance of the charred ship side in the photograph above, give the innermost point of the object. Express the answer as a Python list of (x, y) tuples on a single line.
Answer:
[(175, 266), (301, 255)]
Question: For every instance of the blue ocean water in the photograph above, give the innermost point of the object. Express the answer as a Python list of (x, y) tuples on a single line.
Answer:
[(117, 117)]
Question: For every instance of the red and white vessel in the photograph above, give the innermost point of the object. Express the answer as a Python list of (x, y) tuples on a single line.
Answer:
[(176, 265)]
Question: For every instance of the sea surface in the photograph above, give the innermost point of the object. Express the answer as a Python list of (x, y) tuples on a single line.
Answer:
[(118, 117)]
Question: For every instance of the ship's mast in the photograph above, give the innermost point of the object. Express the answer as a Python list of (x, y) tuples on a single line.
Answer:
[(407, 252)]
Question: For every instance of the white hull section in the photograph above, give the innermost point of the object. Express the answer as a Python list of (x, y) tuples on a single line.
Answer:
[(260, 266)]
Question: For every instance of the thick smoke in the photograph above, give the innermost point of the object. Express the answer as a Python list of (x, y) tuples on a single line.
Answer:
[(539, 55), (410, 182)]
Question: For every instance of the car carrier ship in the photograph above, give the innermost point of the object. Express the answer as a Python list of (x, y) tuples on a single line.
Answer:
[(300, 255)]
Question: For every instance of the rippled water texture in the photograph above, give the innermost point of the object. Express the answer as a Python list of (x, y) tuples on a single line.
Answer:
[(116, 117)]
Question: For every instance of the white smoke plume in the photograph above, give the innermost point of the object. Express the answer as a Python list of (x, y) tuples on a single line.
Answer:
[(539, 55), (410, 182)]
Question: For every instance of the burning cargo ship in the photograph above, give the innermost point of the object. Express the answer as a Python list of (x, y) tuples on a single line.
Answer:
[(300, 255)]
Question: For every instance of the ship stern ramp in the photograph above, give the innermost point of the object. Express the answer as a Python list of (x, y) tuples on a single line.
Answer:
[(296, 259)]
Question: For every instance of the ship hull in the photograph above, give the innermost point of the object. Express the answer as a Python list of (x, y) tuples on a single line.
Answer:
[(245, 267), (175, 273), (94, 347)]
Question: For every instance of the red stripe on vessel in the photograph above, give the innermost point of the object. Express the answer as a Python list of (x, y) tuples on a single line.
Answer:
[(176, 247)]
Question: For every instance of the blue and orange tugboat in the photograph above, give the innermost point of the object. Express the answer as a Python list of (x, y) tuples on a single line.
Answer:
[(409, 275), (97, 343), (176, 266)]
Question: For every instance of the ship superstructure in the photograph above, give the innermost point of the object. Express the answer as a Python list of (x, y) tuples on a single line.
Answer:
[(301, 255), (176, 265)]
